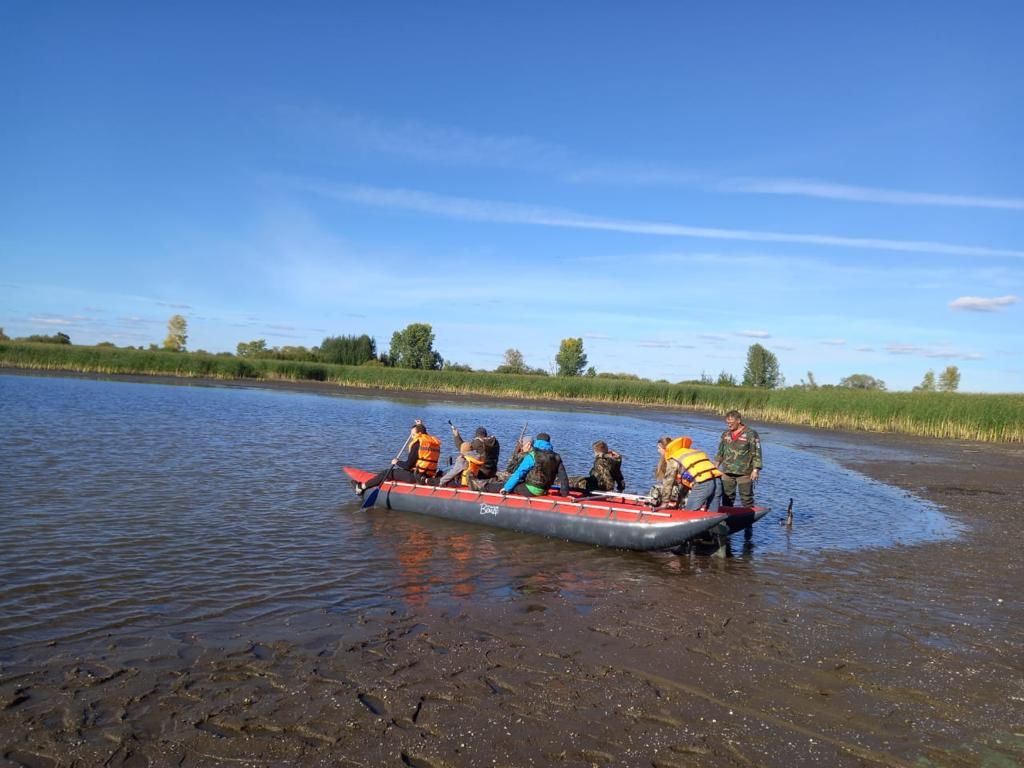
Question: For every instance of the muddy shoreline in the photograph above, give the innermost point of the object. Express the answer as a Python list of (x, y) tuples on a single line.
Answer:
[(897, 657)]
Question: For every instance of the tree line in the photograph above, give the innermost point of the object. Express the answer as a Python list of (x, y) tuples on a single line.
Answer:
[(413, 347)]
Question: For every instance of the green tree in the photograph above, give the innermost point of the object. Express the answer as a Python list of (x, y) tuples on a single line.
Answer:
[(762, 369), (295, 353), (726, 379), (348, 350), (4, 336), (254, 348), (949, 379), (414, 348), (177, 334), (513, 362), (57, 338), (571, 360), (927, 383), (862, 381)]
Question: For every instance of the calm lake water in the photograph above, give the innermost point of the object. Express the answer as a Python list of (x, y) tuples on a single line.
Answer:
[(169, 507)]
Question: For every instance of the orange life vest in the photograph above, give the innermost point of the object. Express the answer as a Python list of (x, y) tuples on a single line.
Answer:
[(696, 466), (472, 469), (427, 455)]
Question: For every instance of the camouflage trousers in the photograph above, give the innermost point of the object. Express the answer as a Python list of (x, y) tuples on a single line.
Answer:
[(730, 483)]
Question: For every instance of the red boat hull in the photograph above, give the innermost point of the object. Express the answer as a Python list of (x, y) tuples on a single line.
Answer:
[(623, 523)]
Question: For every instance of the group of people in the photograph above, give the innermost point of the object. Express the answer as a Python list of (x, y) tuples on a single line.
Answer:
[(685, 476)]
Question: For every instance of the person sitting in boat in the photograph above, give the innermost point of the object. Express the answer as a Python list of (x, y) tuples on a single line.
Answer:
[(464, 469), (486, 446), (683, 469), (538, 471), (423, 452), (605, 475), (523, 447)]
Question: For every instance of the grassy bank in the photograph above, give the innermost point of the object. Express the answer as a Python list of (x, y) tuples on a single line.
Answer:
[(993, 418)]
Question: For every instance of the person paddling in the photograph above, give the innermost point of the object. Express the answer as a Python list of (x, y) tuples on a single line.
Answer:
[(486, 446), (465, 468), (423, 452)]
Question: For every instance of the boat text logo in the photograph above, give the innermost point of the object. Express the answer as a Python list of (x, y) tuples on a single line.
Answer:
[(489, 509)]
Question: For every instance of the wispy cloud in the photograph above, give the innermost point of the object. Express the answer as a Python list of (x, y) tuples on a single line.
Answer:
[(428, 143), (655, 344), (626, 174), (834, 342), (833, 191), (712, 336), (863, 348), (754, 334), (173, 306), (944, 353), (71, 320), (138, 320), (979, 304), (470, 209)]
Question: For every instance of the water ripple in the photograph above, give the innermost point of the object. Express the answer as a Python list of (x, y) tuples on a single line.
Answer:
[(145, 506)]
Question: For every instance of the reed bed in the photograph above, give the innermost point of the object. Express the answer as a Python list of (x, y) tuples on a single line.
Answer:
[(982, 417)]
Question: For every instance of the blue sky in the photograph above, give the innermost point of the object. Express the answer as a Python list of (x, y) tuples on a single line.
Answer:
[(842, 183)]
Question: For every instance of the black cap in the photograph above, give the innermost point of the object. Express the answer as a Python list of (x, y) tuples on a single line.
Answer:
[(544, 436), (480, 432)]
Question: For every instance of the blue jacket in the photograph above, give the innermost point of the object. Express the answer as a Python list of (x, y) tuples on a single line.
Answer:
[(525, 466)]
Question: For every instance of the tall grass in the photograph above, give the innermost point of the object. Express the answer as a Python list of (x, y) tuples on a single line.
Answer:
[(993, 418)]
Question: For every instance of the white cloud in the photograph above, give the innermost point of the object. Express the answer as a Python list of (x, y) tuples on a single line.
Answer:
[(978, 304), (944, 353), (832, 191), (427, 143), (834, 342), (754, 334), (60, 319), (638, 175), (470, 209)]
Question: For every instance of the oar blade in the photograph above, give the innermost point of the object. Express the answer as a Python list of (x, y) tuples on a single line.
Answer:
[(370, 497)]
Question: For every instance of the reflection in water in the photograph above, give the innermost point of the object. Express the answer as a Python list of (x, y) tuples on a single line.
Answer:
[(162, 507)]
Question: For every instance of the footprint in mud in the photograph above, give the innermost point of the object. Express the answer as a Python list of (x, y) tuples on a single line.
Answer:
[(497, 686), (418, 761), (29, 759), (373, 703)]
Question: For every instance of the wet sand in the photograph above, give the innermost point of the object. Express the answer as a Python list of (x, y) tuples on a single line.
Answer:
[(907, 656)]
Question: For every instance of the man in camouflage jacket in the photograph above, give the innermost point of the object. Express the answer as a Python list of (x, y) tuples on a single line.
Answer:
[(605, 475), (739, 458)]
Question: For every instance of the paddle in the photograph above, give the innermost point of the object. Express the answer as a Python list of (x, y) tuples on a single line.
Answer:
[(616, 495), (371, 497)]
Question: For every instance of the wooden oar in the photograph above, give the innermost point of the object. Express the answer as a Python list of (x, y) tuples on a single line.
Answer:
[(371, 497)]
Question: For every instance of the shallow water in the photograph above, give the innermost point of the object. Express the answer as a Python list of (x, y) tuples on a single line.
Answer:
[(156, 507)]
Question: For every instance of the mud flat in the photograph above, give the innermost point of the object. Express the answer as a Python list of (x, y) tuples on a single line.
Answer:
[(903, 656)]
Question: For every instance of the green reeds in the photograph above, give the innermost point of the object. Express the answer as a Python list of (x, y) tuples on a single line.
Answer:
[(991, 418)]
